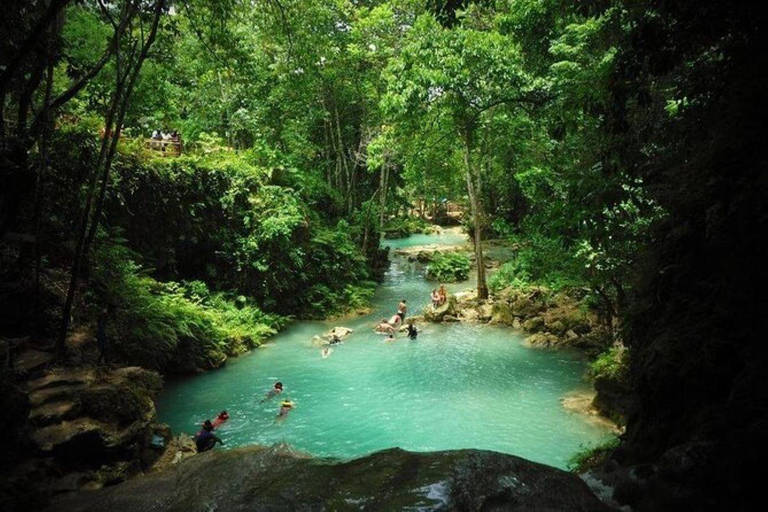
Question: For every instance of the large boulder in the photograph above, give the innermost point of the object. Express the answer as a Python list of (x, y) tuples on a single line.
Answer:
[(542, 340), (276, 479), (449, 308), (92, 416)]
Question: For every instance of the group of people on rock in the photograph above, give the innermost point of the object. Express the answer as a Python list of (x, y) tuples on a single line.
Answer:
[(205, 439), (439, 296)]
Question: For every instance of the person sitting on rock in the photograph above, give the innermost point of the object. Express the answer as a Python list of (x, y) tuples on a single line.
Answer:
[(221, 418), (442, 295), (205, 439), (435, 299)]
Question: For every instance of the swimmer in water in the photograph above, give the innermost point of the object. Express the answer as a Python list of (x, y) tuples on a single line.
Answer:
[(286, 406), (276, 390), (326, 352), (391, 337), (221, 418)]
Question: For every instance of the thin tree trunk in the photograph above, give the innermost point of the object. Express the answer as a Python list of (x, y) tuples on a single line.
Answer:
[(383, 184), (477, 215), (89, 222)]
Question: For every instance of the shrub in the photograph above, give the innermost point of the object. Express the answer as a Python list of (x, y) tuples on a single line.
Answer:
[(449, 268), (171, 326), (591, 456), (538, 261), (612, 364)]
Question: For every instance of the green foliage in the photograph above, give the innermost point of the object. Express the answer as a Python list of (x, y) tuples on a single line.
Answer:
[(449, 267), (612, 364), (171, 326), (590, 457), (401, 227), (225, 222), (538, 260)]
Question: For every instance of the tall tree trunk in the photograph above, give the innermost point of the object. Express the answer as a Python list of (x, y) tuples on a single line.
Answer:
[(383, 184), (473, 189), (89, 221)]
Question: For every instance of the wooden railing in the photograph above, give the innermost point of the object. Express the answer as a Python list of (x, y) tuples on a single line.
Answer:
[(169, 147)]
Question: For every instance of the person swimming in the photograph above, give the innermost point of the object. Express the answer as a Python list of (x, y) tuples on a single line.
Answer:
[(276, 390), (286, 406), (391, 337), (205, 439), (384, 327), (326, 352), (220, 419)]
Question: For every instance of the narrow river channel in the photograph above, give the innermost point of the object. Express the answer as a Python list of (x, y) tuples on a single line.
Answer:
[(456, 386)]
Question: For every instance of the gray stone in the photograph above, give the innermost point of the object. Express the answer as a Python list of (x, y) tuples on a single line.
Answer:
[(276, 479)]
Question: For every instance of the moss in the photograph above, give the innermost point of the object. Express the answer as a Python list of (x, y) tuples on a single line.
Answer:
[(592, 456), (612, 364)]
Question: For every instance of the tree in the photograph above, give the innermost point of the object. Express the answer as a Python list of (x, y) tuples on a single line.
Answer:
[(460, 79)]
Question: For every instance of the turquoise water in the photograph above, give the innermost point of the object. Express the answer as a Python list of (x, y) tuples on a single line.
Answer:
[(456, 386)]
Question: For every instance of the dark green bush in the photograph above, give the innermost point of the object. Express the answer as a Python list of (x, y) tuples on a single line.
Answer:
[(170, 326), (449, 268)]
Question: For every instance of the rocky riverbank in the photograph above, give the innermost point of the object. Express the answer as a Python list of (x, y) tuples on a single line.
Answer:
[(550, 321), (278, 478), (85, 427)]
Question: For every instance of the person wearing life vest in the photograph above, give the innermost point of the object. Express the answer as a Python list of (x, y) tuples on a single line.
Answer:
[(286, 406), (221, 418)]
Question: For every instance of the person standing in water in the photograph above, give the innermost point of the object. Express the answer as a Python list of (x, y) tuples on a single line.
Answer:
[(401, 309), (412, 331)]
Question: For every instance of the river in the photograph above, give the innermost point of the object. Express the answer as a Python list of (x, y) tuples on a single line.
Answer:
[(456, 386)]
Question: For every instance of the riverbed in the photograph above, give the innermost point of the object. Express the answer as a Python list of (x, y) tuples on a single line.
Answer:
[(455, 386)]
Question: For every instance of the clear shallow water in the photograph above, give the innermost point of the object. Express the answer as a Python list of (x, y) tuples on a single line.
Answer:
[(456, 386)]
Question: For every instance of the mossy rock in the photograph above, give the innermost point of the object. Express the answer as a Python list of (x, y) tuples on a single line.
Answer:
[(535, 324)]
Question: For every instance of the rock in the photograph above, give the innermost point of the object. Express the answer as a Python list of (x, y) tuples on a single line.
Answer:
[(258, 478), (556, 327), (438, 314), (501, 313), (535, 324), (337, 333), (53, 412), (526, 307), (32, 360), (542, 340), (450, 318), (582, 403), (571, 335)]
